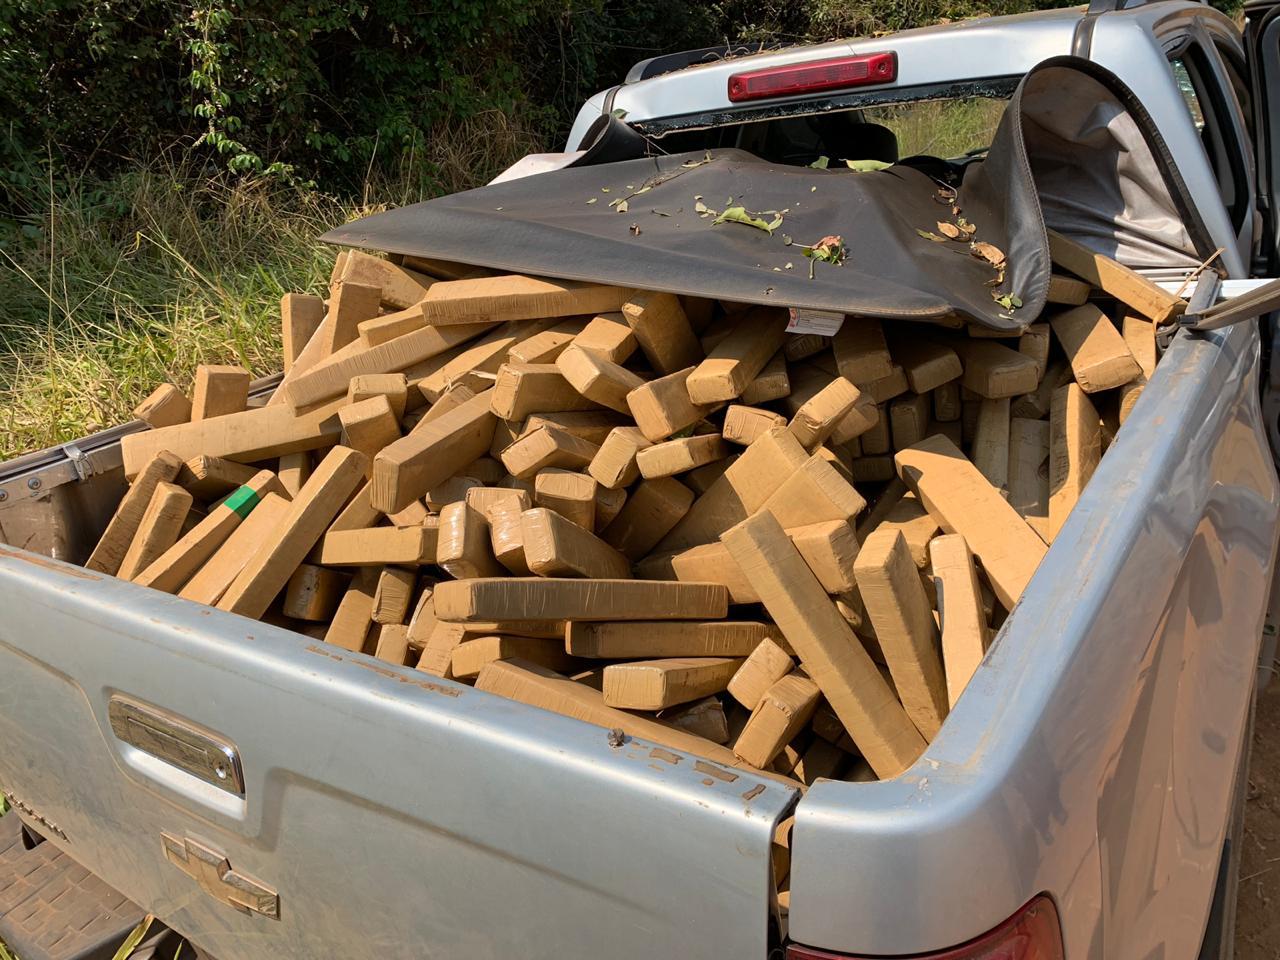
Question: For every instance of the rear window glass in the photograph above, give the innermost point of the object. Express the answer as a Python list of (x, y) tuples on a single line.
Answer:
[(948, 128)]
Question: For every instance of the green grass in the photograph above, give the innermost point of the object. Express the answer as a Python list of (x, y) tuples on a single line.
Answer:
[(108, 289), (112, 289)]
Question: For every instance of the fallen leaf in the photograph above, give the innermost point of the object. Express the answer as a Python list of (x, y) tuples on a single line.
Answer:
[(604, 189), (622, 207), (929, 235), (661, 213), (635, 229), (739, 214), (813, 189), (1010, 301), (988, 252), (867, 166), (949, 230), (593, 200), (820, 163)]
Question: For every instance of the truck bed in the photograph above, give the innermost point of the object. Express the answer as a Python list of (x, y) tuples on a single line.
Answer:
[(397, 814)]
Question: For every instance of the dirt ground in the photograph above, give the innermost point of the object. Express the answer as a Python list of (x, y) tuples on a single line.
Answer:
[(1258, 916)]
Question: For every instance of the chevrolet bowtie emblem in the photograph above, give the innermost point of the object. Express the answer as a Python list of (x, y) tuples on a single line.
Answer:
[(212, 871)]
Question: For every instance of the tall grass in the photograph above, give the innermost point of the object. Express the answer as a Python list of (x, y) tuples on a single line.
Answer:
[(108, 289)]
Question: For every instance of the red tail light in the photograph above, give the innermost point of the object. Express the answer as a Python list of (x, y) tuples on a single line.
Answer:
[(837, 74), (1033, 933)]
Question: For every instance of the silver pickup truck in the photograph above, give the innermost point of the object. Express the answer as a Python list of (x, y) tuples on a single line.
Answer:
[(265, 795)]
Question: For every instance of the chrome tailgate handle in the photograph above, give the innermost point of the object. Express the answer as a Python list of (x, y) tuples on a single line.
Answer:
[(178, 742)]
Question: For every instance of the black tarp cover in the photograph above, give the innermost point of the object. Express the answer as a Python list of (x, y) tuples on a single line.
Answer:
[(561, 223)]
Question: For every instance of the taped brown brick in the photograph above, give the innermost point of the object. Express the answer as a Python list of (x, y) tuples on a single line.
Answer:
[(452, 490), (1034, 343), (300, 317), (909, 419), (400, 287), (877, 439), (861, 352), (350, 303), (533, 685), (962, 621), (474, 654), (886, 388), (570, 494), (485, 498), (766, 665), (703, 718), (1140, 337), (820, 761), (536, 598), (1068, 290), (209, 583), (744, 487), (614, 464), (658, 684), (526, 388), (423, 618), (813, 493), (706, 563), (625, 640), (818, 417), (654, 508), (927, 364), (506, 536), (995, 371), (990, 449), (1029, 466), (1075, 449), (218, 391), (1099, 357), (671, 457), (700, 479), (782, 713), (258, 434), (801, 345), (376, 330), (959, 497), (378, 546), (164, 407), (515, 297), (589, 425), (437, 652), (118, 536), (772, 383), (946, 402), (609, 336), (464, 548), (740, 357), (596, 379), (313, 593), (909, 517), (1122, 283), (484, 357), (393, 386), (662, 331), (368, 426), (208, 478), (547, 447), (392, 643), (824, 642), (393, 594), (555, 547), (829, 549), (405, 470), (175, 566), (895, 601), (310, 514), (293, 469), (609, 504), (544, 347), (353, 619), (331, 378), (158, 529), (742, 425)]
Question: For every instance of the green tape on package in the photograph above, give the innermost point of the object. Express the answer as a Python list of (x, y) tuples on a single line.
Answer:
[(242, 501)]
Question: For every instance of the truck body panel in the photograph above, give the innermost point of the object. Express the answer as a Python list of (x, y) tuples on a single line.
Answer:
[(393, 813)]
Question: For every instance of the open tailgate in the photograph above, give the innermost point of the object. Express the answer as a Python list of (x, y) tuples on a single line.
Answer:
[(383, 813)]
